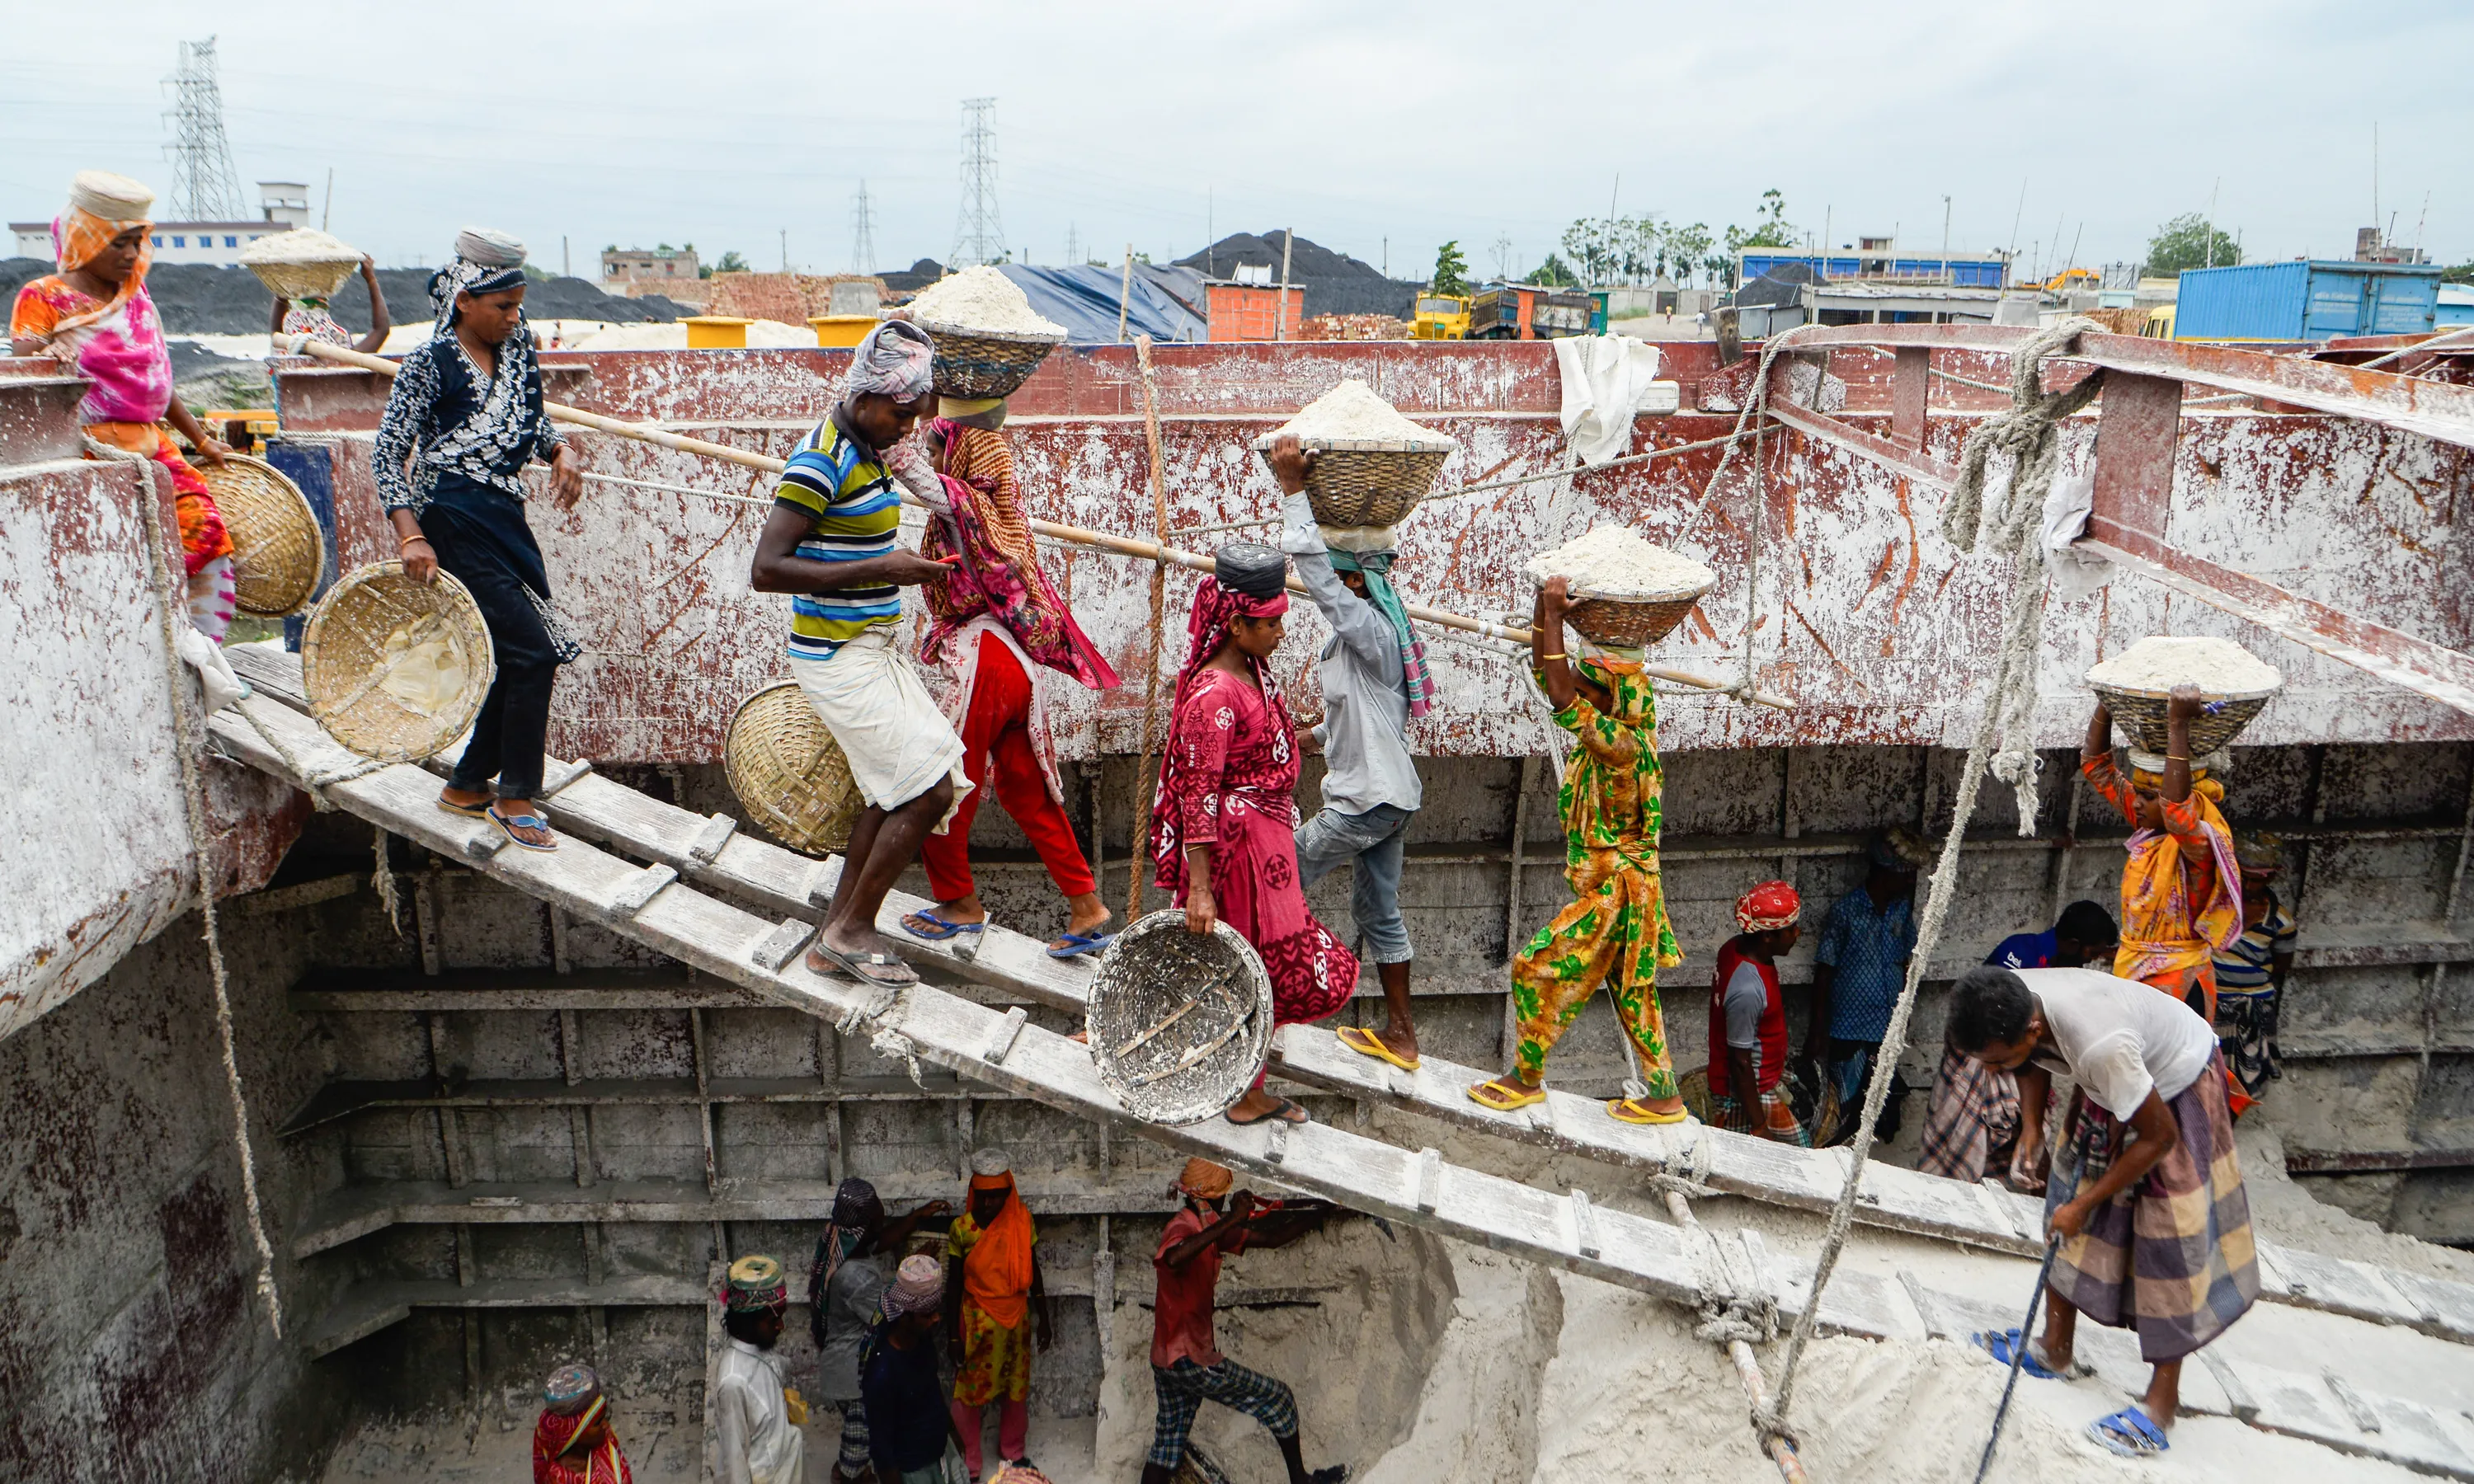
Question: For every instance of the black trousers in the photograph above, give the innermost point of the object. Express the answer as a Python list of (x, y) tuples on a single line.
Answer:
[(479, 534)]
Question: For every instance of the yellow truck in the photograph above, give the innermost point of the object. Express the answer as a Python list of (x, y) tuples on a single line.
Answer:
[(1441, 317)]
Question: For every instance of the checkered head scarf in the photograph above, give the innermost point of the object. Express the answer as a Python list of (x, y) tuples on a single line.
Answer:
[(756, 1283), (918, 1285)]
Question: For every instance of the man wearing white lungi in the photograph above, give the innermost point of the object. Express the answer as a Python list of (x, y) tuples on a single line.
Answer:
[(830, 541)]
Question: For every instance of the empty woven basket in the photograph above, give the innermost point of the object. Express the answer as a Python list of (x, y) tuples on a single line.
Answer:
[(395, 669), (277, 551), (1178, 1023), (2139, 715), (789, 773), (1364, 483), (973, 362)]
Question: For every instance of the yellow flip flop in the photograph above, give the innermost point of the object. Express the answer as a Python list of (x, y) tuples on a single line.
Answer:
[(1630, 1112), (1364, 1043), (1491, 1094)]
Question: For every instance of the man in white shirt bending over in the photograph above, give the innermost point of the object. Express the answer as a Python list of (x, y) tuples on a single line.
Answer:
[(2146, 1202)]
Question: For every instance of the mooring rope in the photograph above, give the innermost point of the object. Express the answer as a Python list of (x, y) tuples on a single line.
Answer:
[(188, 742)]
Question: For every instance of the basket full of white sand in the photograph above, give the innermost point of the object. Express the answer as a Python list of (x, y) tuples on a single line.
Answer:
[(2137, 684), (988, 339), (303, 263), (1629, 591), (1372, 466)]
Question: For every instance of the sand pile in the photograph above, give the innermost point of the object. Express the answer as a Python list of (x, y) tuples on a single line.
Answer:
[(1615, 562), (981, 299), (2160, 662), (1351, 412)]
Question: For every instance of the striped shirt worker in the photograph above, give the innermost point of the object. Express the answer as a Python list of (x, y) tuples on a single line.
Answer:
[(853, 509)]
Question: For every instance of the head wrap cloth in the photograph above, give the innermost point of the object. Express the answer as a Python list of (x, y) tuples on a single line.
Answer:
[(756, 1283), (857, 1211), (2147, 772), (1203, 1180), (572, 1402), (1250, 581), (101, 207), (1767, 907), (918, 1285), (896, 360), (486, 261)]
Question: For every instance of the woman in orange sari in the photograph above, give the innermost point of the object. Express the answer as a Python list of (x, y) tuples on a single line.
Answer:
[(2181, 896), (991, 1282)]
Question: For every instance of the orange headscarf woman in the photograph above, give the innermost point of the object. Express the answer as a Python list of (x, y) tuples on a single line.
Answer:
[(990, 1260), (2181, 896)]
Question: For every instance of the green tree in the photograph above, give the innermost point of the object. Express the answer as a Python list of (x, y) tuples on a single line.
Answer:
[(1685, 248), (730, 263), (1552, 275), (2188, 241), (1451, 270), (1586, 243), (1769, 229), (2463, 273)]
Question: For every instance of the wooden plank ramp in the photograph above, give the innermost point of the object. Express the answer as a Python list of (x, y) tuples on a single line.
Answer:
[(934, 1026), (749, 869)]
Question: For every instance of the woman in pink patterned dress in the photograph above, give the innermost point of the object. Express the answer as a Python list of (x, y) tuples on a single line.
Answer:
[(1223, 826)]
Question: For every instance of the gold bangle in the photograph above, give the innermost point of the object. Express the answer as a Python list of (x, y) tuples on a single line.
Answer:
[(1543, 657), (2175, 757), (403, 541)]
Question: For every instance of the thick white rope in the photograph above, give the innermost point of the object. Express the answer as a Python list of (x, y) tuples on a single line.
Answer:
[(2029, 433), (189, 743)]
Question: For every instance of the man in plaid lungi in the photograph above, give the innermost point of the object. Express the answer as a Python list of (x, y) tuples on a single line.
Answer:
[(1187, 1368)]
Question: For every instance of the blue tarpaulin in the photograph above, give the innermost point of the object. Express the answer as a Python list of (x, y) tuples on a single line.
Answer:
[(1085, 301)]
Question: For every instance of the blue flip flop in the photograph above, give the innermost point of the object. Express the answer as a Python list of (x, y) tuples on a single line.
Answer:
[(1079, 944), (2130, 1433), (509, 824), (1999, 1345), (944, 930)]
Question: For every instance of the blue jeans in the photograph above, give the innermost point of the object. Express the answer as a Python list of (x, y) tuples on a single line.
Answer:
[(1375, 841)]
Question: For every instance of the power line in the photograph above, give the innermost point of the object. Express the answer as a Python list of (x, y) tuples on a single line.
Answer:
[(205, 185), (977, 235), (863, 233)]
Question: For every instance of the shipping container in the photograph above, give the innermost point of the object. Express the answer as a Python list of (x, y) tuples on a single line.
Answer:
[(1248, 311), (2306, 299)]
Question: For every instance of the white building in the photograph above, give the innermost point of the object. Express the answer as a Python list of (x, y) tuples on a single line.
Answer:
[(284, 205)]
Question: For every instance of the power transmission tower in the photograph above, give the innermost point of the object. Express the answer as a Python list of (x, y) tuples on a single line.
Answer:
[(977, 235), (205, 185), (1073, 247), (863, 233)]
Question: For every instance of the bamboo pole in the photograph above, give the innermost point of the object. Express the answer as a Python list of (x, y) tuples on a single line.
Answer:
[(1097, 540), (1159, 601)]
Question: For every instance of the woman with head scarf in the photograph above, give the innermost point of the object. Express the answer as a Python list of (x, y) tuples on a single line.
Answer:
[(844, 1285), (1224, 820), (998, 624), (2181, 898), (311, 318), (461, 423), (95, 314), (829, 543), (572, 1442), (996, 1308), (1615, 932)]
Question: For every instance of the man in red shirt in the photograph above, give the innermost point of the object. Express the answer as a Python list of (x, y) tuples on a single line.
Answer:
[(1748, 1018), (1187, 1368)]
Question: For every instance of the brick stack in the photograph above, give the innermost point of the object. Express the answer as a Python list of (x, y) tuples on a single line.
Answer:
[(1352, 327)]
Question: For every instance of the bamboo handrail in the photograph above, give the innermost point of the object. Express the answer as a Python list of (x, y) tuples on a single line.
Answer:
[(1097, 540)]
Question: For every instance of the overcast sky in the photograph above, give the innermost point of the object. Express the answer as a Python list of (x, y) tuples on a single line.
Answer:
[(1378, 129)]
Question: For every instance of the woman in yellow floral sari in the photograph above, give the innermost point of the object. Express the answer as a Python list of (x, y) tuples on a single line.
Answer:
[(2181, 894), (1616, 929)]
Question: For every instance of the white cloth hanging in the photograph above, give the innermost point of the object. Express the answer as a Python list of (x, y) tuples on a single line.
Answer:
[(1606, 380), (2076, 573)]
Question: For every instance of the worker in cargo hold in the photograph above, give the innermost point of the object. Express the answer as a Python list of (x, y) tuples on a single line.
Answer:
[(1187, 1367), (1859, 970), (2181, 896), (573, 1440), (463, 422), (2250, 974), (996, 1309), (829, 543), (1972, 1126), (1615, 932), (844, 1285), (1748, 1089), (1374, 679), (1225, 816), (2146, 1201), (756, 1416), (910, 1428), (997, 623)]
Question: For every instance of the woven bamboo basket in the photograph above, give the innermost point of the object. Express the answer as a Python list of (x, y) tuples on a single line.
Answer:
[(395, 669), (305, 280), (972, 363), (278, 554), (788, 772), (1178, 1024), (1357, 483), (1631, 620), (2139, 715)]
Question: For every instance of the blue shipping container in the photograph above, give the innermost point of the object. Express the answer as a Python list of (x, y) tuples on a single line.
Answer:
[(2306, 299)]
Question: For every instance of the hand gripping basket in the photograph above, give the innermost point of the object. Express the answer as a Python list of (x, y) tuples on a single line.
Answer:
[(1358, 482), (1178, 1024), (277, 552), (395, 670), (2139, 715), (1633, 619), (789, 773), (974, 363)]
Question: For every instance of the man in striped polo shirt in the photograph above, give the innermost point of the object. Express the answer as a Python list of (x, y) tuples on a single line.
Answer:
[(829, 543)]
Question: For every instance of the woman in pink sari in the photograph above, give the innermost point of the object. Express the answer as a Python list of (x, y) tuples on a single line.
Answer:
[(1223, 824)]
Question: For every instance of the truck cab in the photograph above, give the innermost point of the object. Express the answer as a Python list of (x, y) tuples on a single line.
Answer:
[(1441, 317)]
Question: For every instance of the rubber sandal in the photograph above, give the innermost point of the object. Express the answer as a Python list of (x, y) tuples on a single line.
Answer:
[(966, 937), (470, 811), (508, 824), (1364, 1043), (1628, 1111), (855, 965), (1280, 1111), (1079, 944), (1999, 1345), (1337, 1473), (1490, 1094), (2130, 1433)]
